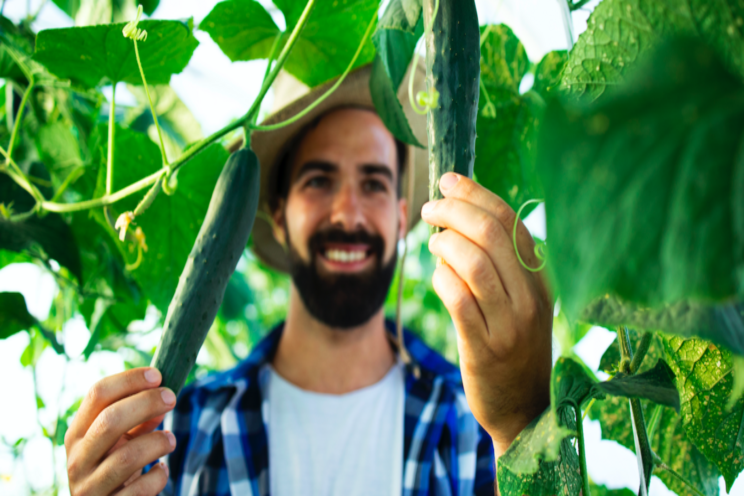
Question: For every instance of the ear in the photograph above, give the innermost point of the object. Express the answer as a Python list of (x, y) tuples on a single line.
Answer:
[(279, 223), (403, 218)]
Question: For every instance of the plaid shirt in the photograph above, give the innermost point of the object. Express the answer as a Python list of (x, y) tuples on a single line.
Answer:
[(220, 424)]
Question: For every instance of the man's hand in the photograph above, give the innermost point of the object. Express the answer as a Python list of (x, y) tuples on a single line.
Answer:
[(111, 438), (503, 313)]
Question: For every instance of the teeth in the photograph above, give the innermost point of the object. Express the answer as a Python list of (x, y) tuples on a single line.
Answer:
[(345, 256)]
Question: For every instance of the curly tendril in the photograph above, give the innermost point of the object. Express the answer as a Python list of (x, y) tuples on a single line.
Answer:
[(539, 248), (426, 99), (131, 31)]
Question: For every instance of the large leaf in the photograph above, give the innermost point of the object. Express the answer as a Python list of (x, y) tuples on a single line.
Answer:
[(705, 382), (541, 461), (395, 40), (242, 29), (641, 193), (14, 316), (507, 121), (388, 107), (94, 55), (172, 222), (656, 385), (619, 31), (668, 439), (50, 233), (59, 150), (722, 324), (324, 49), (570, 384)]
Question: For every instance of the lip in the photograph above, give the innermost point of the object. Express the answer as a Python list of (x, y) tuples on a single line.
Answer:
[(338, 266)]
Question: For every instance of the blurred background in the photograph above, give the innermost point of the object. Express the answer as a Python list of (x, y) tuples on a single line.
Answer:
[(40, 390)]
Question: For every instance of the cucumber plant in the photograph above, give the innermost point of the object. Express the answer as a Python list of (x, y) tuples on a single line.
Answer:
[(632, 140)]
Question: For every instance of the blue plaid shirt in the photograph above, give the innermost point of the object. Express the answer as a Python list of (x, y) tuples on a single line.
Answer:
[(220, 425)]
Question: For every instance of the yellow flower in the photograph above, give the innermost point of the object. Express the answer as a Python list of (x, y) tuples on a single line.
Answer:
[(122, 224)]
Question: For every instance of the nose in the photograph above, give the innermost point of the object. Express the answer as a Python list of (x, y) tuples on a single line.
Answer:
[(346, 211)]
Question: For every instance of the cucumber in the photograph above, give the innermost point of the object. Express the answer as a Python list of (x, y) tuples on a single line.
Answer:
[(453, 69), (221, 240)]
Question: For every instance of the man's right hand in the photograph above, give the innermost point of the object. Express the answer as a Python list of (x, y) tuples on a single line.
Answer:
[(111, 438)]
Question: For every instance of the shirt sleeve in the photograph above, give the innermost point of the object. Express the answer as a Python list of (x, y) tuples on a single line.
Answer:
[(485, 467)]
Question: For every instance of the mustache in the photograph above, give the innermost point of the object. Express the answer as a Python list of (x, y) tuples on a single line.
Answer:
[(321, 238)]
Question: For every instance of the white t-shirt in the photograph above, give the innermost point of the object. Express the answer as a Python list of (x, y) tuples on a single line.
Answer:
[(336, 445)]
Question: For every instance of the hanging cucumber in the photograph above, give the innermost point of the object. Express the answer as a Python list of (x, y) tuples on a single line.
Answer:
[(221, 240), (453, 70)]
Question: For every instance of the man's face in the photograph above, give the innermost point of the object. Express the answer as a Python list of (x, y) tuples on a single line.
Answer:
[(342, 217)]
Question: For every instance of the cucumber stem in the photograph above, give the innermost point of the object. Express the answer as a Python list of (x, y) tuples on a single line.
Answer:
[(582, 449), (18, 119), (149, 100), (110, 157), (328, 93)]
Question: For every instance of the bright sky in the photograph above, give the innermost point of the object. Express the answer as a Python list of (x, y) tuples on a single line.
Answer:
[(217, 91)]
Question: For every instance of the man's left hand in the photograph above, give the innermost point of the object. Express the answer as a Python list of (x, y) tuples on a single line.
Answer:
[(503, 313)]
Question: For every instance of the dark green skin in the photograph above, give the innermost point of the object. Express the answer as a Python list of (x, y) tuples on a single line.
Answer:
[(221, 240), (453, 68)]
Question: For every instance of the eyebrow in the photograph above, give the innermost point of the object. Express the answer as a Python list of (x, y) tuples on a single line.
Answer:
[(328, 167)]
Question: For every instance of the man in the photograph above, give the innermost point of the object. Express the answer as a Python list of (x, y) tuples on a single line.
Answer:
[(329, 403)]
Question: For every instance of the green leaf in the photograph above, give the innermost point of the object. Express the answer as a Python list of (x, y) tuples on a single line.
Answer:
[(92, 56), (568, 335), (242, 29), (39, 402), (59, 432), (722, 324), (543, 478), (598, 490), (33, 351), (619, 31), (69, 7), (630, 210), (539, 441), (148, 6), (324, 48), (58, 148), (172, 222), (656, 385), (705, 382), (50, 233), (548, 74), (395, 40), (570, 384), (507, 121), (388, 106), (14, 316)]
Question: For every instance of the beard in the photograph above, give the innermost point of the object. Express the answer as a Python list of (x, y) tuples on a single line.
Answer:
[(342, 301)]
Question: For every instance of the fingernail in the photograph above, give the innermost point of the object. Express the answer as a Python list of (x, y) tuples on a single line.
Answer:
[(427, 208), (168, 397), (448, 181), (171, 438), (152, 375), (165, 468)]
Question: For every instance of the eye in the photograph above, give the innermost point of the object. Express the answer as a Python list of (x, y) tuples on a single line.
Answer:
[(374, 186), (318, 182)]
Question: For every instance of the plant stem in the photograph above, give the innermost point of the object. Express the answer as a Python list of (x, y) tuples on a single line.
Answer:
[(576, 6), (654, 421), (643, 447), (149, 100), (660, 463), (567, 22), (272, 55), (582, 449), (143, 183), (18, 120), (17, 175), (640, 353), (328, 93), (110, 157)]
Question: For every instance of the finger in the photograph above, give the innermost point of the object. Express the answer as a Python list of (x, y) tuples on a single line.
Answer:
[(119, 466), (475, 268), (462, 188), (460, 303), (107, 391), (483, 229), (149, 484), (118, 419), (146, 427)]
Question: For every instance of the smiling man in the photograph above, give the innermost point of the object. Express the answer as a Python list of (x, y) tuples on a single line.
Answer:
[(331, 402)]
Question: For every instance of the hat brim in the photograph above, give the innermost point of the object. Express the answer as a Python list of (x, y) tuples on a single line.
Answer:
[(354, 91)]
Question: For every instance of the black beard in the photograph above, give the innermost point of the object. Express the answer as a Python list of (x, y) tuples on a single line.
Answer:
[(341, 301)]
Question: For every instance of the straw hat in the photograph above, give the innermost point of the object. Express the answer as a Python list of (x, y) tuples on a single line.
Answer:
[(291, 97)]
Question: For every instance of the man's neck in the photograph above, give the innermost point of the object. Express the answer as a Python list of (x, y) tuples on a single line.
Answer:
[(318, 358)]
